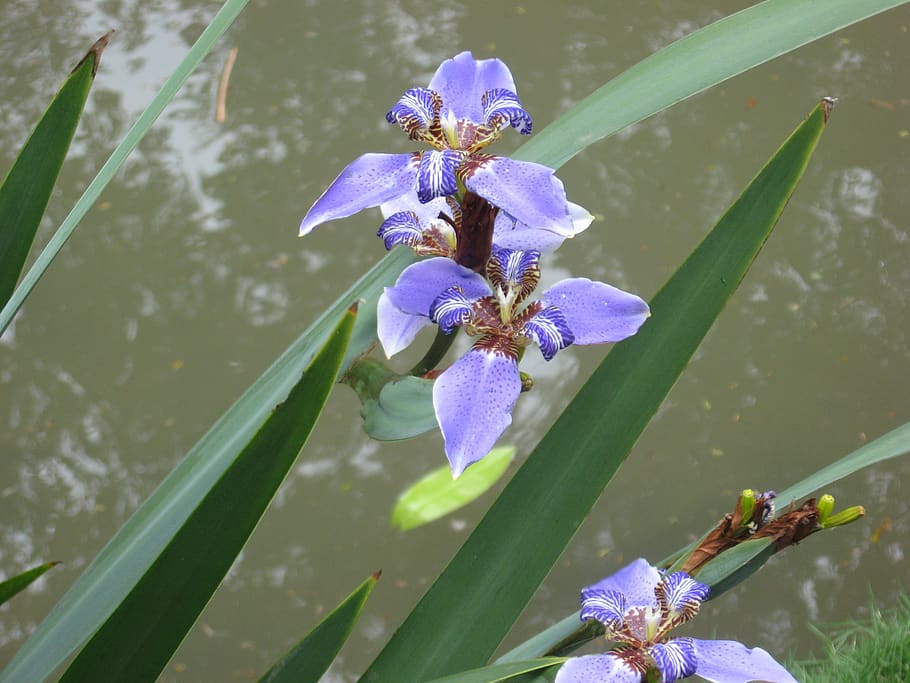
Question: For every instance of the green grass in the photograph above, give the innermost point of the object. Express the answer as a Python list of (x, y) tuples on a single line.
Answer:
[(872, 651)]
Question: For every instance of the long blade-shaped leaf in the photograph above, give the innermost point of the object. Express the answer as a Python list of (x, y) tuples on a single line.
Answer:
[(312, 656), (496, 572), (28, 185), (20, 582), (138, 639), (219, 24), (501, 672)]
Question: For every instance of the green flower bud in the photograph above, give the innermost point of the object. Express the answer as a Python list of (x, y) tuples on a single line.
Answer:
[(747, 506), (851, 514), (825, 508)]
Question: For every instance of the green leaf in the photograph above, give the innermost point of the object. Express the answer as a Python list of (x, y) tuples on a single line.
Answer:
[(20, 582), (138, 543), (312, 656), (500, 672), (437, 494), (28, 185), (138, 639), (219, 24), (403, 410), (495, 573), (692, 64)]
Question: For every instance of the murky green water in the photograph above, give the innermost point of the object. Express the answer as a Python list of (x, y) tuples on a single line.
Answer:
[(187, 279)]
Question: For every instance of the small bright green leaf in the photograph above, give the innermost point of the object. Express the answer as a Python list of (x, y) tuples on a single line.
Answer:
[(438, 494), (25, 192), (501, 672), (20, 582), (312, 656), (138, 639), (404, 410), (494, 574)]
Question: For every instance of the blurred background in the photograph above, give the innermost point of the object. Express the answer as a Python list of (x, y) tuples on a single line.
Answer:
[(187, 279)]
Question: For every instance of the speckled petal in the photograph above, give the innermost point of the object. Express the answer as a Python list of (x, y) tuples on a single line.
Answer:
[(530, 192), (436, 174), (399, 228), (549, 329), (501, 106), (597, 312), (675, 659), (473, 400), (368, 181), (606, 606), (414, 111), (636, 581), (510, 233), (462, 81), (420, 283), (597, 669), (727, 661), (395, 328)]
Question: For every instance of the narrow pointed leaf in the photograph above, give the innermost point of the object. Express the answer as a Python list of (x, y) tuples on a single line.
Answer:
[(27, 187), (501, 672), (502, 563), (20, 582), (312, 656), (437, 494), (138, 639)]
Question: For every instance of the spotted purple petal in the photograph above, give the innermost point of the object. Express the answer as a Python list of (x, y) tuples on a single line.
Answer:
[(608, 607), (368, 181), (510, 233), (604, 668), (549, 329), (436, 174), (462, 81), (514, 269), (528, 191), (395, 328), (415, 111), (597, 312), (399, 228), (680, 594), (451, 309), (473, 400), (727, 661), (675, 659), (501, 106), (636, 581), (420, 283)]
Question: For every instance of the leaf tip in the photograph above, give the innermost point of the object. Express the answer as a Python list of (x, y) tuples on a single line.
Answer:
[(95, 52), (375, 575), (353, 307), (827, 105)]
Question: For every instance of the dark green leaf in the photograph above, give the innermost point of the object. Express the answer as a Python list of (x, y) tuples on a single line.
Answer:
[(28, 185), (438, 494), (502, 563), (20, 582), (136, 641), (312, 656), (500, 672)]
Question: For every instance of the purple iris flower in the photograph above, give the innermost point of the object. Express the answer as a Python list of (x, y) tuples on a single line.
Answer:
[(473, 398), (639, 607), (464, 109)]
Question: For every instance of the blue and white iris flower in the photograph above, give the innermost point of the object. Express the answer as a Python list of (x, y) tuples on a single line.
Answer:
[(639, 607), (473, 399), (465, 107)]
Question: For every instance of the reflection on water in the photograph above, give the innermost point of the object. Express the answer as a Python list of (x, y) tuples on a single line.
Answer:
[(186, 280)]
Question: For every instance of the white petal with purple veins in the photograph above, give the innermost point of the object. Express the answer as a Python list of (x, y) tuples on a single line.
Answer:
[(597, 669), (675, 659), (395, 328), (473, 400), (368, 181), (462, 81), (727, 661), (420, 283), (436, 174), (597, 312), (636, 581), (528, 191)]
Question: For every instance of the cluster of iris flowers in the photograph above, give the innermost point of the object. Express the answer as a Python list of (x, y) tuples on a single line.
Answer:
[(483, 221)]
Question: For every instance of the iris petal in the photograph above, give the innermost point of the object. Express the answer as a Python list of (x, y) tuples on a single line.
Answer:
[(513, 269), (597, 669), (636, 581), (530, 192), (451, 309), (597, 312), (727, 661), (399, 228), (395, 328), (420, 283), (436, 174), (415, 111), (682, 594), (473, 400), (462, 81), (675, 659), (549, 329), (606, 606), (501, 106), (367, 181)]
